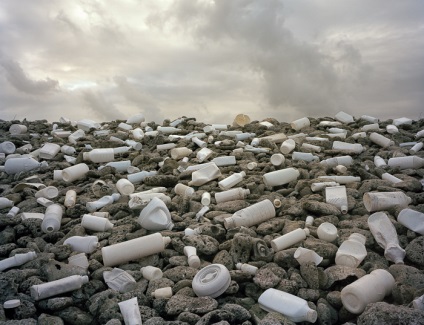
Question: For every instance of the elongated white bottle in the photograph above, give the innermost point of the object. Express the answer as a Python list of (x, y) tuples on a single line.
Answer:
[(231, 180), (96, 223), (352, 251), (252, 215), (294, 308), (412, 219), (100, 155), (289, 239), (70, 199), (231, 195), (52, 218), (53, 288), (16, 260), (83, 244)]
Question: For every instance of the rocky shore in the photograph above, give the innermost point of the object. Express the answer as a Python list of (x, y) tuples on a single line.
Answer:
[(320, 285)]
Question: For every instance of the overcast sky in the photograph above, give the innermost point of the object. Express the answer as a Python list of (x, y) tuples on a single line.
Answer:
[(107, 60)]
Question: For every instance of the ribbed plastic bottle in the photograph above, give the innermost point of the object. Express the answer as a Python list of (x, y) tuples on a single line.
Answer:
[(252, 215), (294, 308)]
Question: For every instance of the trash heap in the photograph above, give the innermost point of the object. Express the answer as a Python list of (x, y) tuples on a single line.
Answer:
[(320, 220)]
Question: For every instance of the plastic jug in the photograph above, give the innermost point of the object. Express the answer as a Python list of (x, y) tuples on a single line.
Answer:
[(336, 195), (252, 215), (53, 288), (385, 235), (204, 175), (83, 244), (370, 288), (412, 219), (155, 216), (352, 251), (378, 201), (289, 239), (294, 308)]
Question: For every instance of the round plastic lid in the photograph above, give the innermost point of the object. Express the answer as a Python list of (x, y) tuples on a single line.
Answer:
[(11, 303), (211, 281)]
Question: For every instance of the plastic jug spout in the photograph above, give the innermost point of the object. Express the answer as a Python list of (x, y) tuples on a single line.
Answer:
[(395, 254)]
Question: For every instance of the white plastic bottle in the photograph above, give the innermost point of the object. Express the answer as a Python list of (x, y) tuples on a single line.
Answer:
[(304, 255), (151, 273), (252, 215), (134, 249), (70, 199), (162, 293), (327, 231), (247, 268), (231, 180), (124, 186), (5, 203), (370, 288), (183, 190), (385, 235), (7, 147), (17, 165), (277, 159), (52, 218), (49, 151), (336, 195), (333, 162), (96, 223), (378, 201), (75, 172), (352, 251), (105, 200), (231, 195), (12, 212), (280, 177), (83, 244), (224, 161), (206, 199), (49, 192), (407, 162), (345, 146), (155, 216), (53, 288), (287, 146), (294, 308), (289, 239), (381, 140), (100, 155), (300, 123), (16, 260), (412, 219), (204, 175), (305, 156), (192, 258)]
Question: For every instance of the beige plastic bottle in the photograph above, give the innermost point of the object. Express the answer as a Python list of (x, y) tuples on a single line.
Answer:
[(252, 215), (352, 251), (289, 239)]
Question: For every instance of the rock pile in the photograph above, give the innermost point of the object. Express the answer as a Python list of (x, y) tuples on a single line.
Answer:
[(149, 198)]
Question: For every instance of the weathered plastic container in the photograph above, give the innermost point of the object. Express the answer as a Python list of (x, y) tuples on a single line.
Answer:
[(342, 179), (309, 221), (381, 140), (402, 120), (7, 147), (204, 154), (75, 172), (345, 146), (79, 260), (247, 268), (17, 129), (407, 162), (336, 195), (17, 165), (53, 288), (411, 219), (5, 203), (379, 162), (378, 201), (179, 153), (130, 311), (52, 218), (231, 180), (277, 159), (252, 215), (100, 155), (206, 199), (96, 223), (352, 251), (151, 273), (385, 235), (204, 175), (294, 308), (241, 120), (163, 293), (252, 165), (280, 177), (312, 147), (392, 179), (370, 288), (49, 151), (392, 129), (327, 231), (16, 260), (300, 123), (304, 256), (224, 161), (134, 249), (369, 119), (12, 212), (231, 195), (370, 127), (124, 186), (199, 143), (305, 156), (119, 280), (183, 190), (212, 280), (155, 216), (136, 119), (102, 202), (193, 259), (140, 176), (83, 244), (78, 134), (418, 303), (49, 192), (289, 239), (416, 148), (287, 146), (315, 187)]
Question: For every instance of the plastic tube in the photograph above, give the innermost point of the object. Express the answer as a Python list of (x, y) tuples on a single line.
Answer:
[(52, 218), (70, 198), (412, 219), (53, 288), (130, 311), (381, 140)]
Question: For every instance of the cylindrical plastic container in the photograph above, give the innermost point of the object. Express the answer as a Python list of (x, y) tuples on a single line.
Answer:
[(294, 308), (378, 201), (344, 117), (252, 215), (52, 218), (136, 119), (49, 192), (379, 162), (300, 123), (140, 176), (100, 155), (70, 199), (17, 129), (162, 293), (231, 180), (345, 146), (49, 151), (385, 235), (304, 256), (57, 175), (252, 165), (287, 146), (247, 268), (96, 223), (412, 219), (289, 239), (224, 161), (179, 153), (16, 260), (280, 177), (369, 119), (75, 172), (277, 159), (381, 140), (333, 162), (336, 195), (311, 147), (340, 169), (309, 221), (17, 165), (83, 244), (7, 147), (53, 288), (327, 231), (343, 179), (370, 127), (305, 156), (413, 162), (80, 260), (231, 195), (392, 179), (5, 203), (12, 212), (352, 251), (206, 198), (124, 186), (416, 148), (370, 288), (213, 280), (130, 311), (205, 175), (192, 258), (134, 249), (67, 150), (183, 190), (155, 216), (151, 273)]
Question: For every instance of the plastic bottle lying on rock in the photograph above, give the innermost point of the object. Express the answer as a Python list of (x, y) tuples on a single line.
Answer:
[(52, 218), (231, 180), (294, 308), (280, 177), (252, 215), (105, 200), (304, 256), (53, 288), (336, 195), (352, 251), (412, 219), (155, 216), (5, 203), (16, 260), (413, 162), (204, 175), (130, 311), (24, 164), (193, 259), (83, 244), (370, 288), (289, 239), (96, 223), (378, 201)]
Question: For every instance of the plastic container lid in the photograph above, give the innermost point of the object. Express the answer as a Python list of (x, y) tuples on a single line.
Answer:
[(211, 281), (11, 303)]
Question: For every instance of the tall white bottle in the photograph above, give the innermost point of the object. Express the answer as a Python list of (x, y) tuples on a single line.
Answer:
[(231, 195)]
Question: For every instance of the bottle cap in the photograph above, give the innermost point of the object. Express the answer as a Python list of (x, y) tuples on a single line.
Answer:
[(11, 303), (211, 281)]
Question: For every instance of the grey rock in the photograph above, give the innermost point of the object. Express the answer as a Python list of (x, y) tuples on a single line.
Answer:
[(321, 208), (204, 244), (188, 317), (241, 247), (55, 304), (223, 257), (275, 318), (197, 305), (45, 319), (179, 273), (340, 272), (285, 258), (322, 248), (384, 313), (414, 251), (75, 316), (309, 272), (327, 315), (308, 294)]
